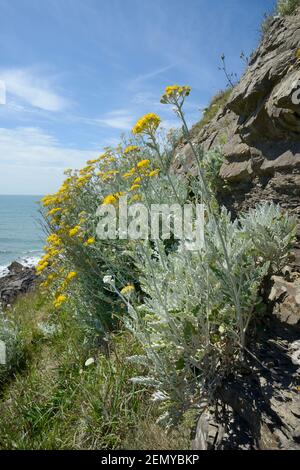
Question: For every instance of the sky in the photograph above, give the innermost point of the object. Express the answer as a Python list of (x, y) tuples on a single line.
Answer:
[(79, 73)]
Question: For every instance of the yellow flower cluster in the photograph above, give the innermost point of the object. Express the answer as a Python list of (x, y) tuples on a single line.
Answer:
[(131, 149), (74, 231), (82, 180), (49, 200), (59, 300), (147, 124), (54, 239), (42, 264), (127, 290), (135, 198), (71, 275), (129, 173), (134, 187), (90, 241), (174, 93), (153, 173), (143, 164), (54, 211), (110, 199)]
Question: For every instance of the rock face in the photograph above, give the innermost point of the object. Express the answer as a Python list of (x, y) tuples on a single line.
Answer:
[(19, 281), (259, 408), (261, 125)]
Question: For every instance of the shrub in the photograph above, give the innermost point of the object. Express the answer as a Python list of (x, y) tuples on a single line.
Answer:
[(197, 309), (189, 310), (287, 7)]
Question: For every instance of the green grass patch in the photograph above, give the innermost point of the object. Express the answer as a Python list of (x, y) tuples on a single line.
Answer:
[(216, 103), (287, 7), (53, 401)]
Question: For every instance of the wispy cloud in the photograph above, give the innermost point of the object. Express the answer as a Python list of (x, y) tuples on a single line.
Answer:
[(140, 79), (31, 146), (121, 119), (33, 89)]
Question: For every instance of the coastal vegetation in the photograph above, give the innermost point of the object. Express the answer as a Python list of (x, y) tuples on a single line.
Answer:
[(124, 329), (70, 391), (126, 341)]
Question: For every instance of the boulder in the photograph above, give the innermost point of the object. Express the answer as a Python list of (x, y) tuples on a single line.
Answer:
[(20, 280)]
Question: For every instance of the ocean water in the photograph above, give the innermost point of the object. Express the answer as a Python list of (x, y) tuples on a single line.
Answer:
[(21, 234)]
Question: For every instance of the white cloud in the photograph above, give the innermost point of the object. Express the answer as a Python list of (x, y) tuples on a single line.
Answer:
[(119, 119), (33, 89), (30, 146), (33, 162)]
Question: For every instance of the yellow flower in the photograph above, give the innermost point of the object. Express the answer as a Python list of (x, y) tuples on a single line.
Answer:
[(134, 187), (82, 180), (127, 290), (44, 259), (131, 149), (112, 172), (147, 124), (137, 180), (49, 200), (121, 193), (154, 173), (129, 174), (71, 275), (41, 267), (86, 169), (136, 197), (90, 241), (54, 239), (60, 299), (143, 164), (175, 92), (54, 211), (74, 231), (110, 199)]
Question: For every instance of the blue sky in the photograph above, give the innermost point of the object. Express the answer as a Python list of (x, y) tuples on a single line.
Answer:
[(78, 73)]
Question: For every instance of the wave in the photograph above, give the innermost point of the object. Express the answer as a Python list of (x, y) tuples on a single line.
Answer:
[(3, 271), (25, 260)]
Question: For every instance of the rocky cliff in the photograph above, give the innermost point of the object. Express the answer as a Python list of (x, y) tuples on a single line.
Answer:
[(260, 125)]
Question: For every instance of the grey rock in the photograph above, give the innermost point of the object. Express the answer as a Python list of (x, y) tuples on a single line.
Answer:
[(20, 280), (261, 126)]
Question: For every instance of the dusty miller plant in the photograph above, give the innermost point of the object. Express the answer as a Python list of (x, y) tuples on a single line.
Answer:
[(198, 305)]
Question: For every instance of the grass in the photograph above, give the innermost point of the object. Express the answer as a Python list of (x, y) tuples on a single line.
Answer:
[(283, 8), (216, 103), (287, 7), (53, 401)]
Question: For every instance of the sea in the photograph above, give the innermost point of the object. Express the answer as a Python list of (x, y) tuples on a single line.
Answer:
[(21, 234)]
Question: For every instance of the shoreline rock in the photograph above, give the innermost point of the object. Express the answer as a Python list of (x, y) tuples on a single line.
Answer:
[(19, 280)]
